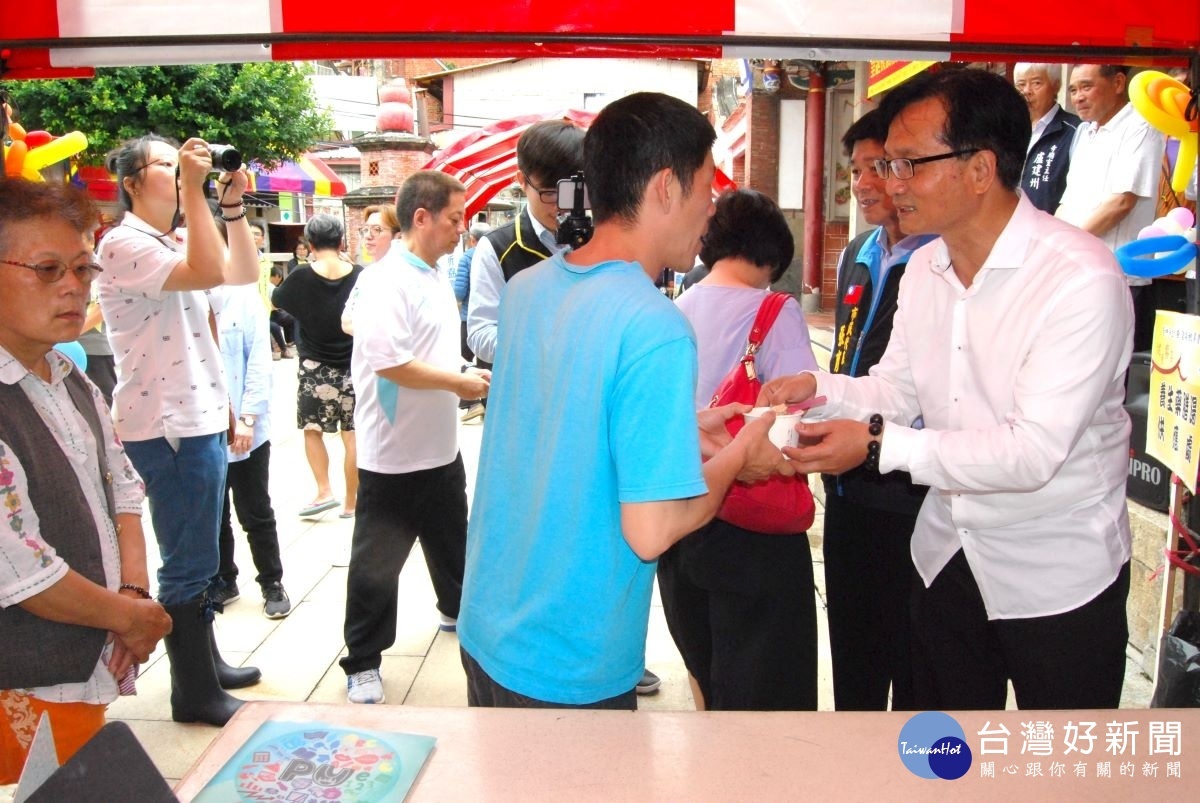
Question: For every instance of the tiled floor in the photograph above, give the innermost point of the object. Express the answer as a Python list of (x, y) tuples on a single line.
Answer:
[(298, 655)]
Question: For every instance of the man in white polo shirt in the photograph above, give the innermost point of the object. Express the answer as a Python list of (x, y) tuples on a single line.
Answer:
[(1112, 184), (408, 376)]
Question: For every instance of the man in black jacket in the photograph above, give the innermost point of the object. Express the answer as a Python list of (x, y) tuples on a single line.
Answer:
[(547, 152), (869, 518), (1045, 175)]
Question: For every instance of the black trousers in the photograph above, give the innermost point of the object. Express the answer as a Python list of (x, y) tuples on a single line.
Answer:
[(741, 607), (393, 511), (869, 576), (247, 482), (963, 661)]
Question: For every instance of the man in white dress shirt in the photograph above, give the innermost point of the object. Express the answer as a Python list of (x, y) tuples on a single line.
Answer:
[(1112, 184), (1009, 347)]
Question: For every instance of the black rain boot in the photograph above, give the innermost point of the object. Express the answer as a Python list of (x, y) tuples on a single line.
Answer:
[(196, 694), (231, 677)]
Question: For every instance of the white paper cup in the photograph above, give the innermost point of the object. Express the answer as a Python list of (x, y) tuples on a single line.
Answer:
[(783, 431)]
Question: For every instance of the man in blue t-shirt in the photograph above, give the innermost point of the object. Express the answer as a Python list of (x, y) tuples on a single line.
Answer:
[(591, 461)]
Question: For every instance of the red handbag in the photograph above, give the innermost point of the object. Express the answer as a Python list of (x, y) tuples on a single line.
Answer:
[(779, 505)]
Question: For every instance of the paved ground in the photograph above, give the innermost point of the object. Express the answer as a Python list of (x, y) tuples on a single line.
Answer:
[(298, 655)]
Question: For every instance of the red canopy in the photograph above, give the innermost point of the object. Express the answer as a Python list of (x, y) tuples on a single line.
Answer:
[(69, 37), (486, 160)]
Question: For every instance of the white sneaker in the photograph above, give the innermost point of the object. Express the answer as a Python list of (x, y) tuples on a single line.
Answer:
[(447, 624), (365, 687)]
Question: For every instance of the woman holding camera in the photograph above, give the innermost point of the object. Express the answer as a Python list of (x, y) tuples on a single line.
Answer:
[(170, 405)]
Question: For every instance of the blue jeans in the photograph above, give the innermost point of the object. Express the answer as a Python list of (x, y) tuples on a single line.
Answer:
[(186, 489)]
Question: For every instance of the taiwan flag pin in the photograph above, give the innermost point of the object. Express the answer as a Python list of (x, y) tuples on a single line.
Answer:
[(853, 294)]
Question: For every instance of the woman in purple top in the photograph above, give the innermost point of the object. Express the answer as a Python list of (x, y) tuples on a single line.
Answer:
[(741, 605)]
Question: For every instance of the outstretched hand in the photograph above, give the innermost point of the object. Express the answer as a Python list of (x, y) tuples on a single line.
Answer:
[(829, 447), (787, 390), (763, 458)]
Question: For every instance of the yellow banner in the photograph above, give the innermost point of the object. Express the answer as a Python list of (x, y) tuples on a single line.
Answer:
[(883, 75), (1172, 434)]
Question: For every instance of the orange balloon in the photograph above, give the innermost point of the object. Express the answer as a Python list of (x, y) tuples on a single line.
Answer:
[(14, 158), (16, 132)]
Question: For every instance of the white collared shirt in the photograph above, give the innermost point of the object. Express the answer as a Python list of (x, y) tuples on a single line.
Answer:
[(169, 380), (1040, 127), (1123, 155), (1019, 381), (405, 311)]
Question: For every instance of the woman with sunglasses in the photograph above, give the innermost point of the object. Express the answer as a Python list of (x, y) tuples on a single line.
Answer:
[(171, 406)]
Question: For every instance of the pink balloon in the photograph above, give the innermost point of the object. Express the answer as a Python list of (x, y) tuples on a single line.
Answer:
[(1182, 216), (1150, 231)]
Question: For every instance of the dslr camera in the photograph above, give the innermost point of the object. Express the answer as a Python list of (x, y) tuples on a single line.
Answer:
[(574, 228), (225, 158)]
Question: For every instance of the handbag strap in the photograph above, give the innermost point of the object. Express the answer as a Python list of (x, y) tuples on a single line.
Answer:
[(768, 311)]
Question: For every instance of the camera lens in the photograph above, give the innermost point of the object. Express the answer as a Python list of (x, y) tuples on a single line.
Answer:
[(225, 157)]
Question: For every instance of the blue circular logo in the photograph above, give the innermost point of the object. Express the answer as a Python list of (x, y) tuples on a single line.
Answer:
[(933, 745)]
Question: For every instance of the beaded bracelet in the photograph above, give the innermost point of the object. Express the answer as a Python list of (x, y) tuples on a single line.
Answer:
[(139, 590), (233, 205), (235, 217), (874, 429)]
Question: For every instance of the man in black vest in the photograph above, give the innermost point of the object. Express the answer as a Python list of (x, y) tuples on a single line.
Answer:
[(547, 152), (75, 612), (1045, 175), (869, 518)]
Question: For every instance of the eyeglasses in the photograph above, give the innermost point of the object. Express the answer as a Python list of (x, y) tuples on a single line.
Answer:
[(368, 230), (549, 196), (52, 270), (902, 169), (155, 162)]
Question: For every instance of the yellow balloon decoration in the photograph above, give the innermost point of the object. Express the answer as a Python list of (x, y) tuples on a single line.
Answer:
[(1162, 101)]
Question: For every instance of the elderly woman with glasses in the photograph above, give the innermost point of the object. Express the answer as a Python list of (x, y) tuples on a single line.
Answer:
[(171, 404), (74, 609)]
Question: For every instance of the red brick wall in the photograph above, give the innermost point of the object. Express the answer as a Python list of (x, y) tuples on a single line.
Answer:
[(391, 167), (762, 144)]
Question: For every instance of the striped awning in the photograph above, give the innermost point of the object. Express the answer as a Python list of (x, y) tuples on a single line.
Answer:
[(55, 38), (310, 176), (485, 161)]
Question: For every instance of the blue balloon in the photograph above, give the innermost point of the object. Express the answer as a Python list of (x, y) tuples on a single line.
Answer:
[(1181, 253), (75, 353)]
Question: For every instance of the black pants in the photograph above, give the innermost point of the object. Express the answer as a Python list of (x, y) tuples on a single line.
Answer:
[(741, 607), (963, 661), (869, 576), (283, 328), (247, 482), (484, 692), (393, 511)]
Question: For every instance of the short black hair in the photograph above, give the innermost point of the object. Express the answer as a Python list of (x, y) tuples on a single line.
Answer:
[(749, 225), (550, 150), (426, 189), (983, 111), (633, 138), (871, 126), (324, 231)]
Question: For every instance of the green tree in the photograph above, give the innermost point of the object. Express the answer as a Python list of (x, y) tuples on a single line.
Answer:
[(265, 110)]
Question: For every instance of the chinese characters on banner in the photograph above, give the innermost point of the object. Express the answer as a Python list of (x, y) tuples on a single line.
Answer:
[(1082, 749), (1172, 435)]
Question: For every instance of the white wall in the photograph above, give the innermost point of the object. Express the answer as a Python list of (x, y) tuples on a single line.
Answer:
[(541, 86), (791, 154)]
